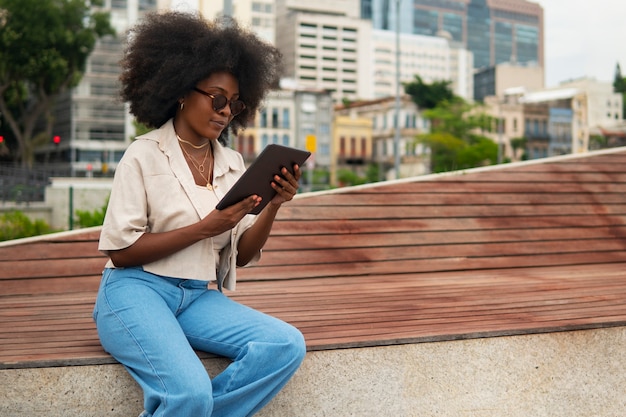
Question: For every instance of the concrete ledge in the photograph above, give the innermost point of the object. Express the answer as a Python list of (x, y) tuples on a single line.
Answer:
[(564, 374)]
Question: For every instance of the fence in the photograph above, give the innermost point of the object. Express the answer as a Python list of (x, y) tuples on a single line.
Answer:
[(24, 185)]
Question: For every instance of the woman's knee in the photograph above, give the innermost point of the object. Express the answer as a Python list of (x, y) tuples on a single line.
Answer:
[(191, 397), (291, 347)]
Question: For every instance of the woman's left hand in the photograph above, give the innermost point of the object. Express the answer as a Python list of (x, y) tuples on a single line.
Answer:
[(286, 186)]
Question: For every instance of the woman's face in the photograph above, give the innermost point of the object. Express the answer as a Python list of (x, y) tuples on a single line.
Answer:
[(199, 118)]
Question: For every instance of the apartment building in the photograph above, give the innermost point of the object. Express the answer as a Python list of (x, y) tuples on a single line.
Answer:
[(413, 157), (352, 146), (570, 112)]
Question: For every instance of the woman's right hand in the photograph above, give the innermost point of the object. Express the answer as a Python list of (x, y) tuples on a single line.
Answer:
[(220, 221)]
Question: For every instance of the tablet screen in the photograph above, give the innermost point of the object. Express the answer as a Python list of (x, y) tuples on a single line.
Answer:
[(258, 177)]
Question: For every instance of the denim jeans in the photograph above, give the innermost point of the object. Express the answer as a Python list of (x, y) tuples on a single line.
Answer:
[(152, 324)]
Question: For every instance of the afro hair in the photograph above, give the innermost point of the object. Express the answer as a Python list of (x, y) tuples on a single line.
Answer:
[(169, 53)]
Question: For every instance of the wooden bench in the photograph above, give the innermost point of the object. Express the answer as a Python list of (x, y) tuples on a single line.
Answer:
[(517, 249)]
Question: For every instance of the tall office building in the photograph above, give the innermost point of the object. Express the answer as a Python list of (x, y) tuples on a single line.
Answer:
[(326, 46), (495, 31)]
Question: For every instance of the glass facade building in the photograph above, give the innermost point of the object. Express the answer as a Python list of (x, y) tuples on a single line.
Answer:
[(494, 31)]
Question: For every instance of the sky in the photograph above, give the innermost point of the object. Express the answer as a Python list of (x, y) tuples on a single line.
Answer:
[(583, 38)]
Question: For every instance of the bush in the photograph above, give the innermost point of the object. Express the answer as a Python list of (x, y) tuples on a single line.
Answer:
[(16, 225), (92, 218)]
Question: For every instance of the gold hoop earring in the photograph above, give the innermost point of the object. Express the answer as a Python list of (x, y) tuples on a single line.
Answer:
[(182, 105)]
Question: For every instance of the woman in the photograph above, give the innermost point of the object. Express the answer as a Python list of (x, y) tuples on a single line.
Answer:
[(191, 80)]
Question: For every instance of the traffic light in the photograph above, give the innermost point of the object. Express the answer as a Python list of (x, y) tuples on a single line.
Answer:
[(56, 139), (1, 140)]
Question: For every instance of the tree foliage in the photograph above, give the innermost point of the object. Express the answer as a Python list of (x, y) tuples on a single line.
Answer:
[(44, 46), (455, 139), (428, 96)]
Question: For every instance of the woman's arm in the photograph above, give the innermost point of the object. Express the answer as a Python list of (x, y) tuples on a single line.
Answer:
[(151, 247)]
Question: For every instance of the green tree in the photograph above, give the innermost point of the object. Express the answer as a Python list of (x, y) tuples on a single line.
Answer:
[(519, 144), (455, 139), (428, 96), (44, 46)]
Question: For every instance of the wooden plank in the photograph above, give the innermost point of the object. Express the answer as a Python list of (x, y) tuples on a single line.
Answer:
[(412, 266), (418, 199), (45, 250), (391, 212), (338, 241), (306, 256), (311, 227), (51, 268)]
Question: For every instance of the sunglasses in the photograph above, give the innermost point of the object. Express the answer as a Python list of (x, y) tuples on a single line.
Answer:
[(220, 101)]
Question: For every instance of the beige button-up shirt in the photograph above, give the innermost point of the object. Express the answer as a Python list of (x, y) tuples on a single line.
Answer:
[(154, 191)]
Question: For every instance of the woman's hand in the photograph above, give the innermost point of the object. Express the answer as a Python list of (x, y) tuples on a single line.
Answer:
[(254, 238), (286, 186), (219, 221)]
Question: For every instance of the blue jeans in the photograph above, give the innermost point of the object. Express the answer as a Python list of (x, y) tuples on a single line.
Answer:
[(152, 324)]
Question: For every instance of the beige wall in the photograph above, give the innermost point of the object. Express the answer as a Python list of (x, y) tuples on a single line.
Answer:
[(510, 76)]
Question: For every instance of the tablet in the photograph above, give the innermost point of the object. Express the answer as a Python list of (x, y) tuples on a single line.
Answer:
[(258, 177)]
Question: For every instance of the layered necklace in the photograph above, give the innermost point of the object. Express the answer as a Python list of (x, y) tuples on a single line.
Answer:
[(200, 166)]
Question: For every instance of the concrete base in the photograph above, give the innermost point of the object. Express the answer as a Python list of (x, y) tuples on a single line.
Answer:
[(570, 374)]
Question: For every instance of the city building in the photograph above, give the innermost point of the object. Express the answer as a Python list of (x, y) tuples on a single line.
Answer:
[(433, 58), (495, 31), (567, 115), (257, 15), (507, 131), (352, 146), (94, 128), (495, 80), (413, 157), (292, 116), (326, 46)]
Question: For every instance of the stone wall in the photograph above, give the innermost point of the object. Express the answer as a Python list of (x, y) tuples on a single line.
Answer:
[(567, 374)]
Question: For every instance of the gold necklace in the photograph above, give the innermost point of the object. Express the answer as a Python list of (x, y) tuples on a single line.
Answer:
[(191, 144), (200, 167)]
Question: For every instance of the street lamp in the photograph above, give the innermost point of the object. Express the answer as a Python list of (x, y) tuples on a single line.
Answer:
[(396, 140)]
